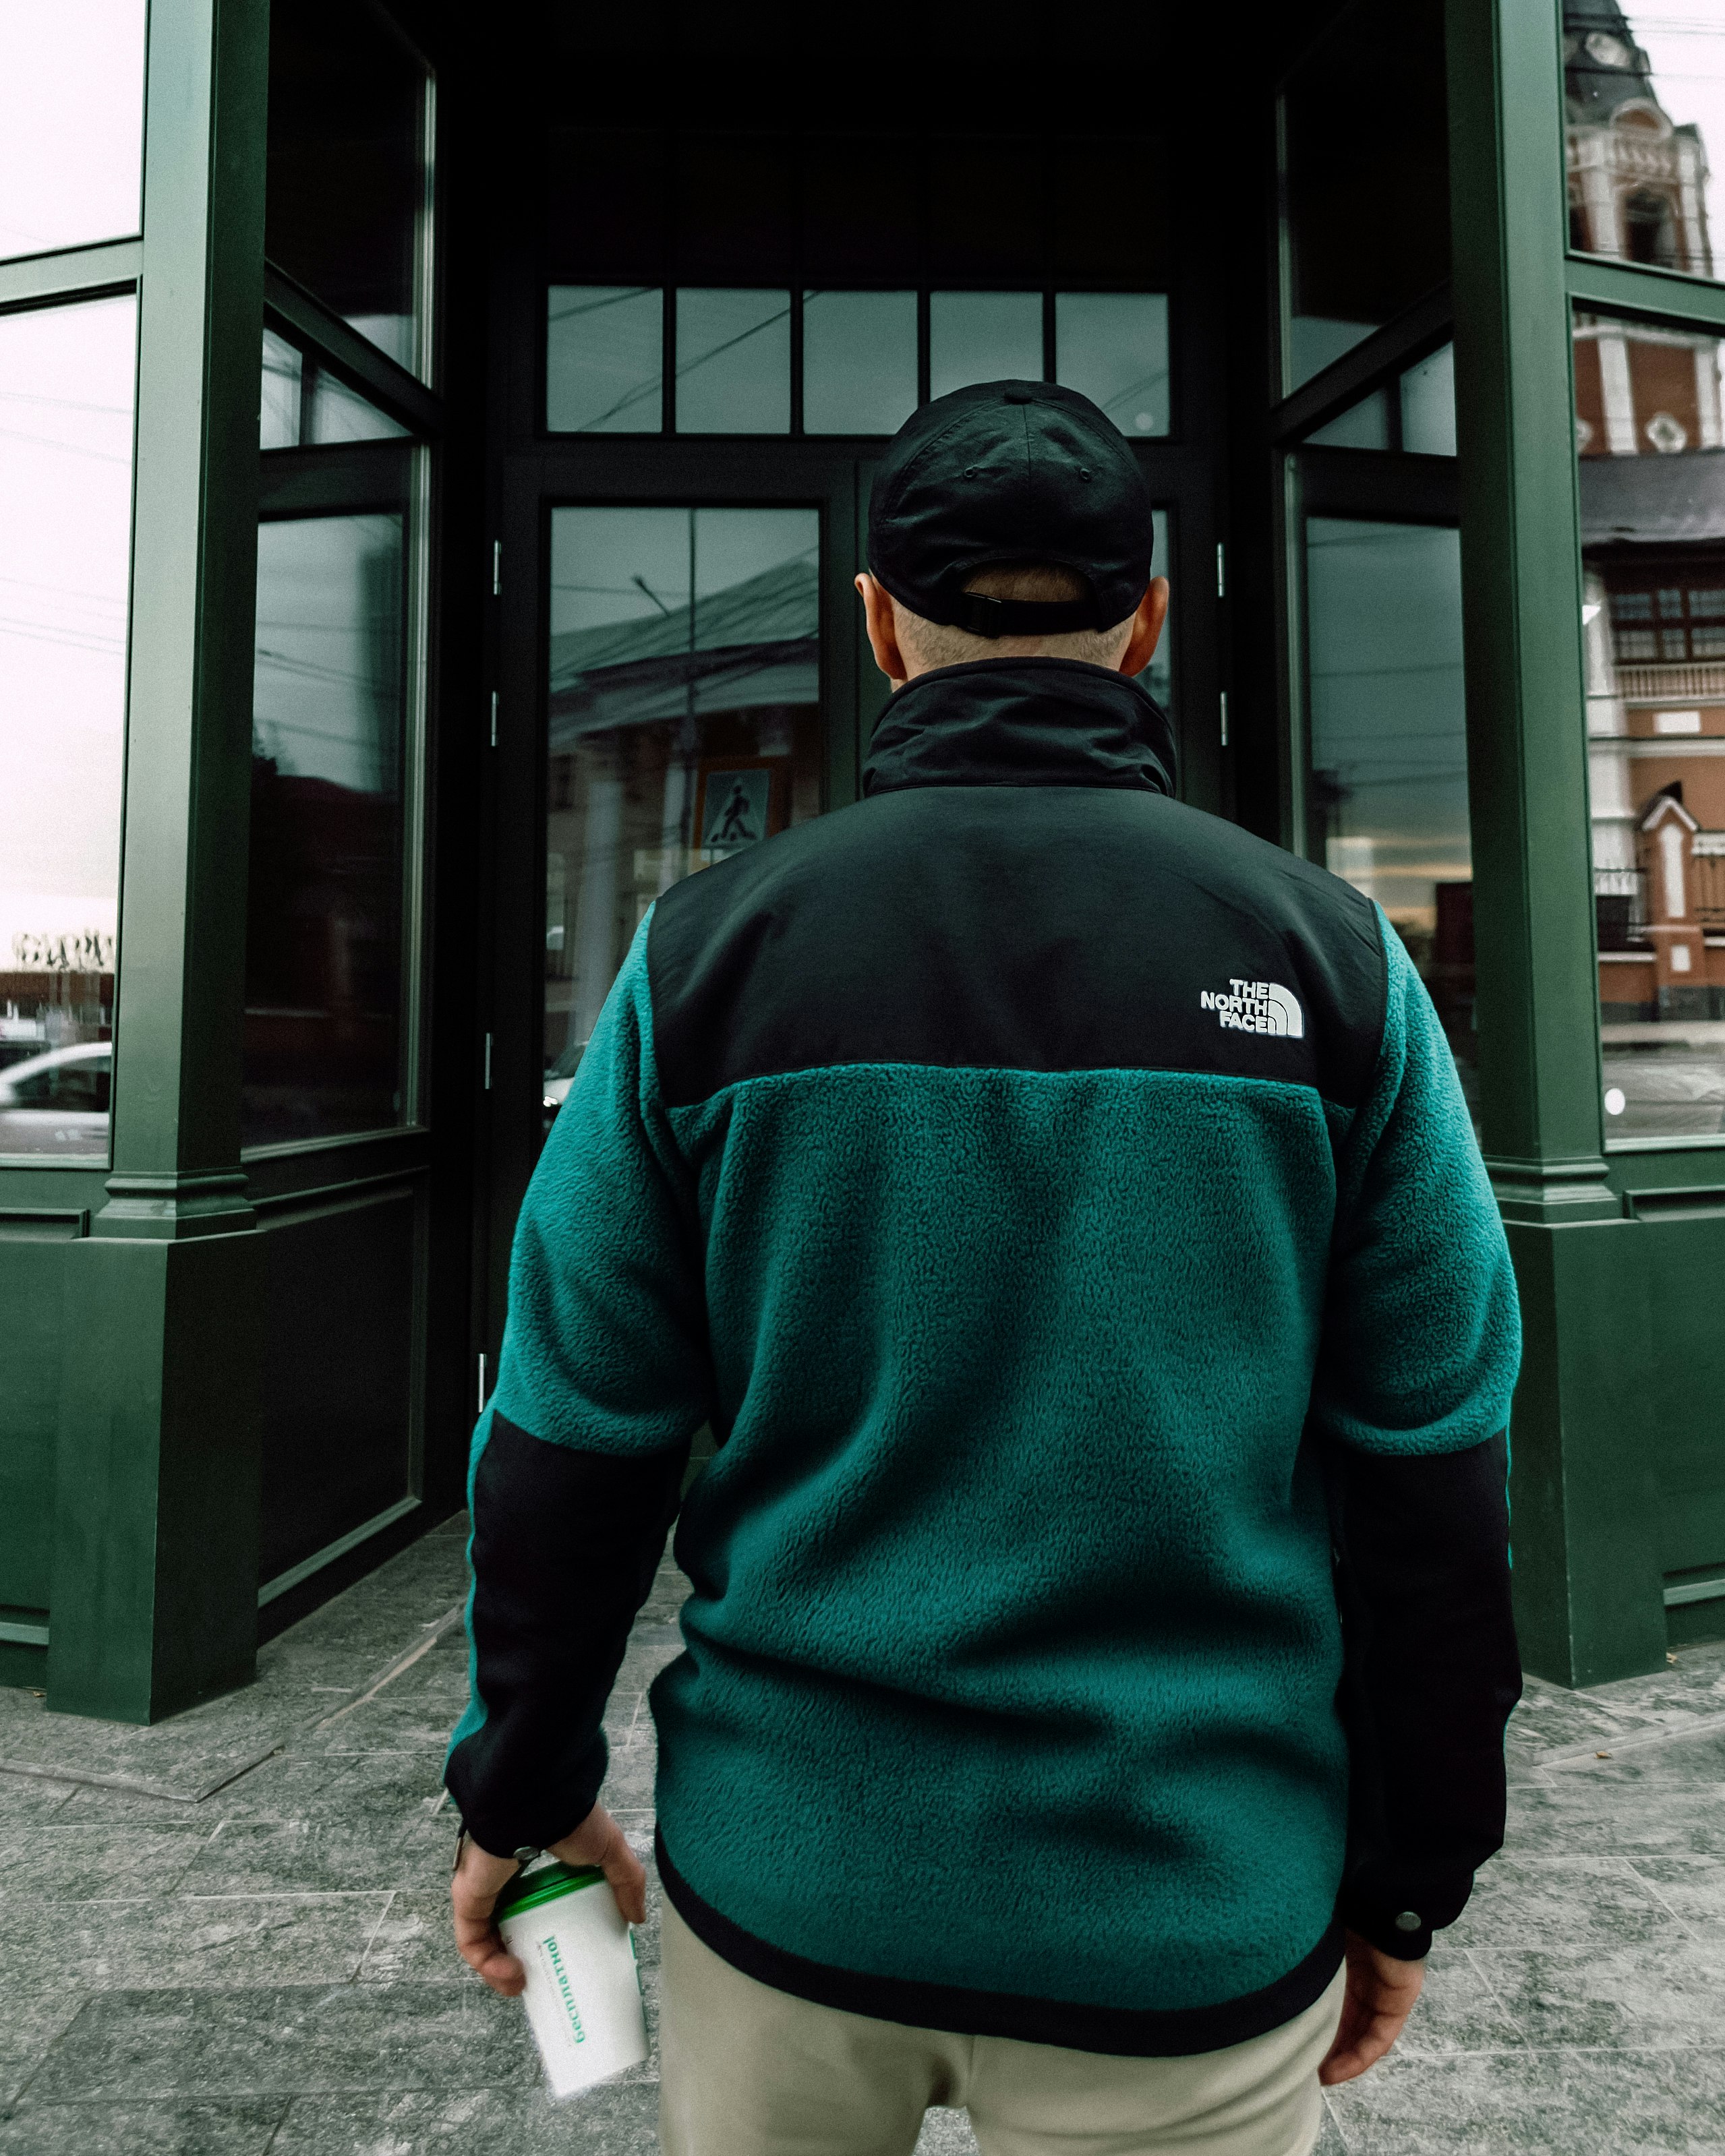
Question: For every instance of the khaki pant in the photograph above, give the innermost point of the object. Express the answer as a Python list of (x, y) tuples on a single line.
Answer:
[(748, 2070)]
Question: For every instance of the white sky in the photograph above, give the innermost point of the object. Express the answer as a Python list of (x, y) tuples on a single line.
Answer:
[(71, 121), (66, 480)]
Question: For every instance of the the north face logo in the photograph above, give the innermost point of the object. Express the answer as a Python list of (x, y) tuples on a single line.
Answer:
[(1256, 1007)]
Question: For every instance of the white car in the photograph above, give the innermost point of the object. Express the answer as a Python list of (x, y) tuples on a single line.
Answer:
[(58, 1103)]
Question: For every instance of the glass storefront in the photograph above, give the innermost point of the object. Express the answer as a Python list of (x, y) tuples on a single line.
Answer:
[(71, 125), (66, 394), (350, 164), (1365, 181), (737, 350), (326, 971), (1386, 722), (1645, 97), (684, 701), (1652, 477)]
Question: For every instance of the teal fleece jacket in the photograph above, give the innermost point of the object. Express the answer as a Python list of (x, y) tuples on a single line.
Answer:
[(1062, 1209)]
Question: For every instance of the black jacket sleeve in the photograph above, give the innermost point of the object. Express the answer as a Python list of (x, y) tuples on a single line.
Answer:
[(565, 1544), (1431, 1674)]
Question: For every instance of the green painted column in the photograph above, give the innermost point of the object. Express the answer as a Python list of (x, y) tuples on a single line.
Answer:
[(153, 1600), (1588, 1584)]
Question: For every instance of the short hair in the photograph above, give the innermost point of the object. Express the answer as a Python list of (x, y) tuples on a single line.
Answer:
[(932, 643)]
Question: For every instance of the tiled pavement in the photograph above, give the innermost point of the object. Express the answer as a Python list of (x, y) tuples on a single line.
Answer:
[(267, 1969)]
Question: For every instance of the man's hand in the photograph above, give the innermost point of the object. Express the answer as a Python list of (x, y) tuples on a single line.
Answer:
[(1381, 1993), (480, 1878)]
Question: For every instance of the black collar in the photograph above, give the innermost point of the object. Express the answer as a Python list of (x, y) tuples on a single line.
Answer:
[(1021, 722)]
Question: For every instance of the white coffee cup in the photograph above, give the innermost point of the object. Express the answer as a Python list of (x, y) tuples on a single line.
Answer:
[(583, 1997)]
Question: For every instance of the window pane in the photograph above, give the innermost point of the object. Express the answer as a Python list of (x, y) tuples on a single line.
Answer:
[(1362, 426), (71, 124), (858, 361), (1158, 677), (1653, 546), (984, 336), (1114, 347), (303, 403), (604, 359), (1388, 796), (282, 395), (1366, 181), (733, 362), (1646, 107), (66, 379), (1428, 406), (346, 205), (324, 957), (679, 732)]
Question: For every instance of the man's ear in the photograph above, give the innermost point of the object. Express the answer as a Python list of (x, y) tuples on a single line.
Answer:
[(1146, 628), (884, 630)]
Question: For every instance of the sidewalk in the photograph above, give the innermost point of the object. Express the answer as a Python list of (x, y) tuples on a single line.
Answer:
[(267, 1969)]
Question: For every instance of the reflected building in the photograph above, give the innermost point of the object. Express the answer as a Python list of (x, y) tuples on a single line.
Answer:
[(1637, 181), (1652, 486)]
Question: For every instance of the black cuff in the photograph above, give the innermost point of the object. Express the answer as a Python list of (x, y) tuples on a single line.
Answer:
[(1389, 1930)]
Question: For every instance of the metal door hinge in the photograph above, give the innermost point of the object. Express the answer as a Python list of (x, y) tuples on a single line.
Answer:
[(496, 568), (1223, 700), (494, 718), (1221, 569), (488, 1063)]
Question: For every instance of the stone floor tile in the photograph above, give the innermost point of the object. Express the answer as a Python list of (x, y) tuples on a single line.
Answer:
[(408, 1782), (35, 2012), (413, 1944), (236, 1942), (1692, 1886), (98, 1861), (610, 2121), (1561, 1902), (387, 1724), (32, 1797), (1493, 2103), (1651, 1996), (1459, 2010), (146, 2129), (379, 1851), (1329, 2141), (1567, 1813), (288, 2040)]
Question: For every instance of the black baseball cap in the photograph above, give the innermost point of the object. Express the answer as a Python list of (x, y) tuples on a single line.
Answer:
[(1010, 471)]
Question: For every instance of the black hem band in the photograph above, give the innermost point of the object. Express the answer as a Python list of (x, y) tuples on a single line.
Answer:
[(1120, 2031)]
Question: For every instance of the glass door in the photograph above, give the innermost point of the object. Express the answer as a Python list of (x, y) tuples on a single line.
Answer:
[(683, 724)]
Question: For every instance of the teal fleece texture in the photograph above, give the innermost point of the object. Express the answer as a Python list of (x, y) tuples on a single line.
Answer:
[(1011, 1656)]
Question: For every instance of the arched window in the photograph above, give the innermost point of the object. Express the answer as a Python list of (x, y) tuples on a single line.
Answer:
[(1650, 228)]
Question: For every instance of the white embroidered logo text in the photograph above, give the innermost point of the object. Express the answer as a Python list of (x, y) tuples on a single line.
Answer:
[(1256, 1007)]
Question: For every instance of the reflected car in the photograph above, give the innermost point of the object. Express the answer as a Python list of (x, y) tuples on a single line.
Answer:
[(58, 1103)]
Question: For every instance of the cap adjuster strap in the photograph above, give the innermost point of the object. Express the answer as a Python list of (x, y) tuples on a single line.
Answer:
[(983, 616)]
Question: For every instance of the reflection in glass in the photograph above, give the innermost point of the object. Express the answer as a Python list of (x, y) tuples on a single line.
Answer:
[(71, 124), (324, 955), (1645, 98), (1428, 406), (858, 361), (605, 359), (1158, 677), (1366, 183), (1388, 787), (304, 404), (1362, 426), (347, 203), (1114, 347), (984, 336), (1653, 545), (66, 377), (684, 672), (733, 362)]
